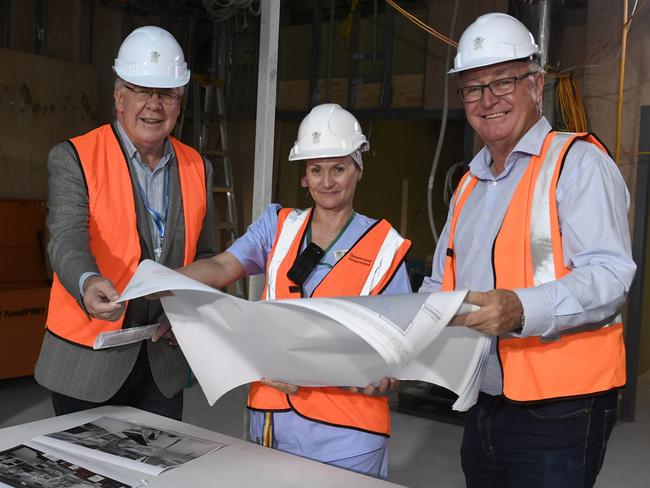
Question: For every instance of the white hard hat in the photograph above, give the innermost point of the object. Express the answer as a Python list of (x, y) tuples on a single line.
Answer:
[(328, 131), (151, 57), (491, 39)]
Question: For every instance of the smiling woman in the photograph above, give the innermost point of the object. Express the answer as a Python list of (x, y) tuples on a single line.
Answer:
[(327, 250), (331, 183)]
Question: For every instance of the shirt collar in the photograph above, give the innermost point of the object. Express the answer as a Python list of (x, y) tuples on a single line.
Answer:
[(132, 151), (529, 145)]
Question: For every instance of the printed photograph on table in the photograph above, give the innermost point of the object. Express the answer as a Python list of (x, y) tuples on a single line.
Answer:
[(140, 447), (25, 467)]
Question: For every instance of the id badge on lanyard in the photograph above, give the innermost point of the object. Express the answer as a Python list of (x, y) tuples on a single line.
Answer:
[(158, 219)]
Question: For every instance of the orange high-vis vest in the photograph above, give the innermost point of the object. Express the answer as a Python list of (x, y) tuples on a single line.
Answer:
[(525, 255), (112, 226), (366, 269)]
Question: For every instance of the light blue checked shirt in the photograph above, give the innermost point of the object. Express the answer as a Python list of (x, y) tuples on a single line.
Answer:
[(152, 181), (592, 202)]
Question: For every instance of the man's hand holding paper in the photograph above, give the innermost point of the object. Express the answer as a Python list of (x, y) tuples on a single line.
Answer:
[(500, 312)]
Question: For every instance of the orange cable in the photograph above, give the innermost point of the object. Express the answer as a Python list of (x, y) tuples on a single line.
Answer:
[(422, 25)]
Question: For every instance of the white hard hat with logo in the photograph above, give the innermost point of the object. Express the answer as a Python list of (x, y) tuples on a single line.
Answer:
[(491, 39), (328, 131), (151, 57)]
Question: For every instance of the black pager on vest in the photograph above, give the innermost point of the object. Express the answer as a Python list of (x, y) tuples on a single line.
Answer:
[(305, 263)]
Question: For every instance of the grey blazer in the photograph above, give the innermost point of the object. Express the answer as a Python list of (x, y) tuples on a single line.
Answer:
[(80, 372)]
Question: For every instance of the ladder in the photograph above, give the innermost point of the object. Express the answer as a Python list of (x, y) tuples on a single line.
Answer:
[(211, 90), (208, 108)]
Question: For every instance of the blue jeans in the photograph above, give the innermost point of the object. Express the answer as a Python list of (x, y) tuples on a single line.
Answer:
[(551, 444)]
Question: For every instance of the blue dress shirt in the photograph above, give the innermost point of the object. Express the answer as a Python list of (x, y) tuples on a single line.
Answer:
[(592, 202)]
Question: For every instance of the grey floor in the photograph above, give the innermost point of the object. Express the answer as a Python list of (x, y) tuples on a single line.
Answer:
[(423, 453)]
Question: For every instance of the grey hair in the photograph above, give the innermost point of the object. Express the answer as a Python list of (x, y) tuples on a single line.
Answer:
[(535, 63), (118, 83), (356, 155)]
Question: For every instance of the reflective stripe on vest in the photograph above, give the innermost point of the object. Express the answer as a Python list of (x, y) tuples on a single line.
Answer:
[(291, 223), (112, 227), (371, 263), (366, 268), (583, 361)]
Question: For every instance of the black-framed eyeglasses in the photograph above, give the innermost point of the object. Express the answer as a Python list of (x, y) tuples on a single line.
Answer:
[(500, 87), (166, 97)]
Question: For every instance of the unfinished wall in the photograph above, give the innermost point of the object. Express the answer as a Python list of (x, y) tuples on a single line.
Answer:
[(43, 101), (605, 21), (406, 66)]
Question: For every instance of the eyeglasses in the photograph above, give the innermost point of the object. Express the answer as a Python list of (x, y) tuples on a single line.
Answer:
[(500, 87), (167, 98)]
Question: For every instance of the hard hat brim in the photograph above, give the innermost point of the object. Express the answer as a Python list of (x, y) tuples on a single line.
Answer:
[(490, 62), (153, 81), (293, 156)]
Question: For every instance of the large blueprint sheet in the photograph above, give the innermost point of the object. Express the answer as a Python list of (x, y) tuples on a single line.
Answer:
[(350, 341)]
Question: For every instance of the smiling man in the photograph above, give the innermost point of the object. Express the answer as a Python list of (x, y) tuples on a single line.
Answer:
[(122, 193), (538, 230)]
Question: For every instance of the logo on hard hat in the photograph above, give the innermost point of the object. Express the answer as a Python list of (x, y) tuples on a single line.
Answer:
[(155, 55), (478, 43), (315, 137)]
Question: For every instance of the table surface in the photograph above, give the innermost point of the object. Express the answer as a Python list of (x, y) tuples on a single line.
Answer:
[(240, 464)]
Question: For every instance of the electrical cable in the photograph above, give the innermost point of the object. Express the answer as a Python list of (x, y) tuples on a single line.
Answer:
[(222, 10), (422, 25), (449, 185), (443, 127), (570, 104)]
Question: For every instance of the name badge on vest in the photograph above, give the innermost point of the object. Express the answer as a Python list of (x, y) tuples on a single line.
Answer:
[(339, 253)]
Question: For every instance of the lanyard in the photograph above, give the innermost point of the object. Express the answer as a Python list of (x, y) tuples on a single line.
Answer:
[(158, 218), (341, 232)]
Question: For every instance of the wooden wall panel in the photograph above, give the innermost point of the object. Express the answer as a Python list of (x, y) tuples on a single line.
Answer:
[(407, 91), (293, 95), (338, 91), (107, 36), (43, 101), (64, 19), (21, 28)]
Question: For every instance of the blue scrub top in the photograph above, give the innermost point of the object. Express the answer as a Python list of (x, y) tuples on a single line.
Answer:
[(299, 435)]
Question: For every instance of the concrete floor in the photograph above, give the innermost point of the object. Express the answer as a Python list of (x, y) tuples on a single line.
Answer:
[(423, 453)]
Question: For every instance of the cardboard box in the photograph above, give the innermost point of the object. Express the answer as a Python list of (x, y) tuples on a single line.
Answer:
[(24, 285), (22, 326)]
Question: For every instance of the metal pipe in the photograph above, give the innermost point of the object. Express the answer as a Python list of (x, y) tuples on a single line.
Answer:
[(5, 23), (330, 54), (314, 62), (265, 120), (541, 16), (621, 83), (374, 33)]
